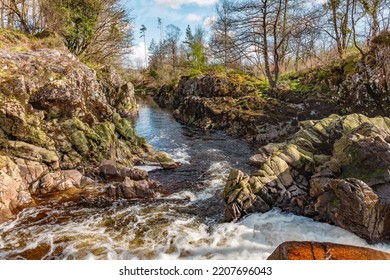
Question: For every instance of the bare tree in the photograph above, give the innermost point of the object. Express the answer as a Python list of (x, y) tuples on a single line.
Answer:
[(340, 17), (172, 43), (263, 31), (222, 42), (143, 35)]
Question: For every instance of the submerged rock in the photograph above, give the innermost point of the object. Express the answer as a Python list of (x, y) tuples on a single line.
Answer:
[(324, 251), (335, 170), (133, 189)]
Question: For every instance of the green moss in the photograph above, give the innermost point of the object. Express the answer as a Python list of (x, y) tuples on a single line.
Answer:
[(364, 174), (80, 142), (19, 49), (105, 132), (77, 124), (51, 114), (38, 137), (349, 64), (142, 141), (123, 128), (163, 158), (321, 159), (49, 157), (4, 72)]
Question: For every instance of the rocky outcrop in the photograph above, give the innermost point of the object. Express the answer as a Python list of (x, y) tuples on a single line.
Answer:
[(235, 104), (58, 122), (129, 183), (14, 194), (120, 95), (335, 170), (324, 251), (366, 90)]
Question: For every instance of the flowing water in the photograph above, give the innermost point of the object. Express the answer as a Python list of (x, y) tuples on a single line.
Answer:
[(185, 224)]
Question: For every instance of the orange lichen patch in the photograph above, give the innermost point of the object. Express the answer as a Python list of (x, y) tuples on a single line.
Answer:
[(325, 251)]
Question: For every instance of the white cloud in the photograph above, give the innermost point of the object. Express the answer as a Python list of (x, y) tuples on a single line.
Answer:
[(193, 17), (176, 4), (137, 58), (209, 21)]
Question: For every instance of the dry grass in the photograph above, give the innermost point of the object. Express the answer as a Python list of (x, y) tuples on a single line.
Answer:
[(14, 40)]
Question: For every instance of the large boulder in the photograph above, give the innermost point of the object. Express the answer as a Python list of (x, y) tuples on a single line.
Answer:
[(60, 105), (335, 170), (325, 251), (59, 120)]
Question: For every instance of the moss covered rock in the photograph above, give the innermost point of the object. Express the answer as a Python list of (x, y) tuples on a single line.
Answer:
[(58, 118), (239, 105), (336, 169)]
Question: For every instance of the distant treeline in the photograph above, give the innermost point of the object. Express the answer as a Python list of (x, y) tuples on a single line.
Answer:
[(270, 37)]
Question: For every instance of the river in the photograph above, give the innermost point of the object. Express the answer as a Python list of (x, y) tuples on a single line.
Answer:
[(185, 224)]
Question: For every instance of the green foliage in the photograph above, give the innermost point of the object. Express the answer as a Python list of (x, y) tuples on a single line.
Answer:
[(198, 57), (154, 74), (78, 20)]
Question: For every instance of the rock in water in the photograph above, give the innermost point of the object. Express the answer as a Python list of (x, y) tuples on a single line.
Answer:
[(335, 170), (324, 251)]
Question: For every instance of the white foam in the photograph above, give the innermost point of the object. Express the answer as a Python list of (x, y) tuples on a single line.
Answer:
[(161, 232), (180, 154), (185, 195), (217, 175), (148, 168), (255, 237)]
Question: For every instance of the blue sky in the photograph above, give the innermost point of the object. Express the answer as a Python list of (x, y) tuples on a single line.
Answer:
[(177, 12)]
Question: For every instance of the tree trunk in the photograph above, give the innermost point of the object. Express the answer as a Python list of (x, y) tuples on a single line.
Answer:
[(2, 10), (10, 17), (267, 65), (336, 28)]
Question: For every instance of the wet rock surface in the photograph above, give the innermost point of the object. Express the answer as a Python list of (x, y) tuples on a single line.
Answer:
[(324, 251), (335, 170)]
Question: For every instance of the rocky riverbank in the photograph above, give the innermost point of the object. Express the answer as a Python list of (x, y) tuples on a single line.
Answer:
[(233, 103), (63, 132), (335, 170)]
